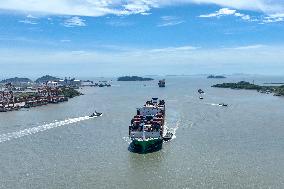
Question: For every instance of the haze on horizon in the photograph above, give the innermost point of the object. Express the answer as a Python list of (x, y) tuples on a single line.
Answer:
[(143, 37)]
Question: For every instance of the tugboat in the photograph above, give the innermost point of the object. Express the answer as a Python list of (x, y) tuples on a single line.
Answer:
[(200, 91), (222, 104), (162, 83), (147, 127), (168, 136)]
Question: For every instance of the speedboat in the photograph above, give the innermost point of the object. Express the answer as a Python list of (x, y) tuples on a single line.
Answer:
[(201, 97), (200, 91), (222, 104), (96, 114)]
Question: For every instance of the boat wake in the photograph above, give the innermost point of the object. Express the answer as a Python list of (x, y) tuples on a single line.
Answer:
[(127, 139), (213, 104), (173, 129), (34, 130)]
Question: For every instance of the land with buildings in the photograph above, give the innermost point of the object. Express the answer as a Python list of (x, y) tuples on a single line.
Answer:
[(17, 93)]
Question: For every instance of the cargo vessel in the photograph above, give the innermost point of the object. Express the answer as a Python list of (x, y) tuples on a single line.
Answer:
[(162, 83), (147, 126)]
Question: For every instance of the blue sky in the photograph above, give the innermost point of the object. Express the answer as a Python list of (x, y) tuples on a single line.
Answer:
[(118, 37)]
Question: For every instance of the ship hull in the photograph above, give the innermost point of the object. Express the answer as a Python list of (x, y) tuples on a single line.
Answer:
[(144, 146)]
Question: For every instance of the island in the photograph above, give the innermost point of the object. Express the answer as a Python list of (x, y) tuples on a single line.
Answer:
[(216, 77), (276, 90), (134, 78), (17, 80), (46, 78)]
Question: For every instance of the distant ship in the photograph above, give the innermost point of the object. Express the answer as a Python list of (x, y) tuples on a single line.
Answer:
[(147, 127), (162, 83)]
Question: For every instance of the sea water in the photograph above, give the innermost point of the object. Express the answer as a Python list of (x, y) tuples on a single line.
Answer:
[(59, 146)]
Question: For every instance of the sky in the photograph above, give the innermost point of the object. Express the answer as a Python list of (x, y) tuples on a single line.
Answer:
[(141, 37)]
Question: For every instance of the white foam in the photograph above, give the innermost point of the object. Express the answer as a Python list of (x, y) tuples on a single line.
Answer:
[(127, 139), (172, 130), (212, 104), (34, 130)]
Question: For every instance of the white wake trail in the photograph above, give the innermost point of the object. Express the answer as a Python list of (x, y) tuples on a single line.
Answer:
[(34, 130), (173, 129)]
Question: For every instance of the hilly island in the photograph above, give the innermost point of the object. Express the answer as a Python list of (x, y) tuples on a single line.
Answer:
[(276, 90), (134, 78)]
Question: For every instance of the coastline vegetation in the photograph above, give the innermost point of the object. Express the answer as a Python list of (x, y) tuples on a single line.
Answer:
[(46, 78), (277, 90), (69, 92)]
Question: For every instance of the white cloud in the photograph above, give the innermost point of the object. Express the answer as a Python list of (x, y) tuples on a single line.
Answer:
[(170, 21), (65, 40), (146, 13), (30, 19), (226, 12), (26, 21), (74, 21), (251, 59), (273, 18), (119, 23), (221, 12), (243, 16), (136, 7), (174, 49), (257, 46), (31, 16), (122, 7)]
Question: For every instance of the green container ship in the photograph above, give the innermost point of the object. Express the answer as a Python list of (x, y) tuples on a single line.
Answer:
[(147, 126)]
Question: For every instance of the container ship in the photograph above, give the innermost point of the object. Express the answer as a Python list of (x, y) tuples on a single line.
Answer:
[(147, 126), (162, 83)]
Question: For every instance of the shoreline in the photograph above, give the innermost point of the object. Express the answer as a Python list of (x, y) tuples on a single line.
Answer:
[(276, 90), (10, 101)]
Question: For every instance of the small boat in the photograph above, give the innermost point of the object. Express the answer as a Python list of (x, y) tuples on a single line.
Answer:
[(200, 91), (222, 104), (201, 97), (162, 83), (168, 136), (96, 114)]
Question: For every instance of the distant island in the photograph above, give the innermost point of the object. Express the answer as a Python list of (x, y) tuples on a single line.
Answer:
[(42, 79), (277, 90), (216, 77), (134, 78), (46, 78), (16, 80), (273, 83)]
